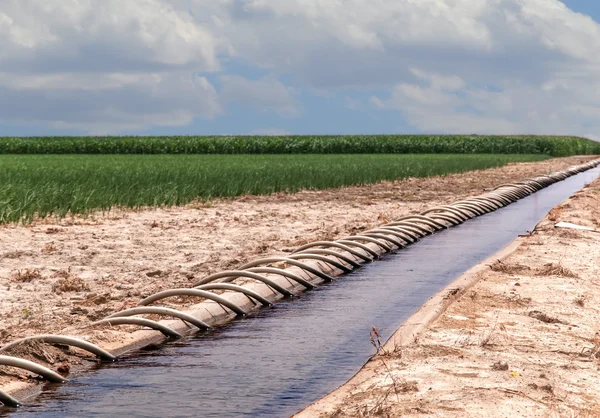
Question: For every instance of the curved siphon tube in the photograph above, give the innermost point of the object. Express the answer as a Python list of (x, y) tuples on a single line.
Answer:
[(382, 245), (159, 310), (361, 246), (381, 236), (20, 363), (311, 256), (231, 275), (167, 332), (304, 266), (423, 219), (482, 205), (506, 199), (414, 232), (413, 225), (64, 340), (193, 292), (394, 232), (492, 201), (334, 244), (252, 295), (323, 251), (475, 211), (409, 234), (448, 217), (284, 273), (8, 400), (464, 217)]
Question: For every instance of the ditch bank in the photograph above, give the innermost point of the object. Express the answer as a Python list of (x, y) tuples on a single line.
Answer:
[(516, 335)]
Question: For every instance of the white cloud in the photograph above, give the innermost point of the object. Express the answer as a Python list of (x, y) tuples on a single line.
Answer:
[(445, 65), (264, 94), (57, 35), (107, 103)]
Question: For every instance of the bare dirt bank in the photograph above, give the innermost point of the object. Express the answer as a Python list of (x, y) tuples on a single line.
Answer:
[(523, 341), (60, 275)]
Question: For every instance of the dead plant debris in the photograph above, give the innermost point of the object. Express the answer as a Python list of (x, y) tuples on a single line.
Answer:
[(556, 269), (27, 275), (540, 316), (68, 282)]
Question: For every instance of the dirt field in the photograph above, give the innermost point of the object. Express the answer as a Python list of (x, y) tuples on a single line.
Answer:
[(58, 275), (524, 341)]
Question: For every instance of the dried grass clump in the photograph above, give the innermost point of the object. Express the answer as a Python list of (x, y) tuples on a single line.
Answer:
[(569, 233), (555, 214), (581, 300), (27, 275), (49, 248), (68, 282), (502, 267), (556, 269)]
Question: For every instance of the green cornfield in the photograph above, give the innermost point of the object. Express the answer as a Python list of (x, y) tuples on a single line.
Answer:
[(353, 144), (43, 185)]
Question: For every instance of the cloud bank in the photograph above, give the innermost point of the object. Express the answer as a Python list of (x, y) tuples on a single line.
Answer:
[(467, 66)]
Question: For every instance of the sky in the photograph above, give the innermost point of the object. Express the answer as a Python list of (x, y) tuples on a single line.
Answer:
[(276, 67)]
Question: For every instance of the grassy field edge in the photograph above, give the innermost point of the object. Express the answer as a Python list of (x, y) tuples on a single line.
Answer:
[(43, 185)]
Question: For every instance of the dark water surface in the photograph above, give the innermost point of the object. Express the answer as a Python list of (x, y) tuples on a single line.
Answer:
[(281, 359)]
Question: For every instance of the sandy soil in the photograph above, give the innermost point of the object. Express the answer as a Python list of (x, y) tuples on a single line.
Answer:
[(524, 341), (58, 275)]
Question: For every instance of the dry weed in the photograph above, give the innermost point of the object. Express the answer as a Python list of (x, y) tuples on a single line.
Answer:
[(541, 316), (27, 275), (68, 282), (502, 267), (15, 254), (581, 300), (569, 233), (49, 248), (556, 269), (594, 351), (555, 213)]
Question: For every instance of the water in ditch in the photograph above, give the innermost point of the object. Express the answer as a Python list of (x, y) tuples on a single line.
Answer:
[(278, 361)]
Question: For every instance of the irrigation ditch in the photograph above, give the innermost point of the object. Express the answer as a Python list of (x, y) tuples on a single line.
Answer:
[(273, 279)]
